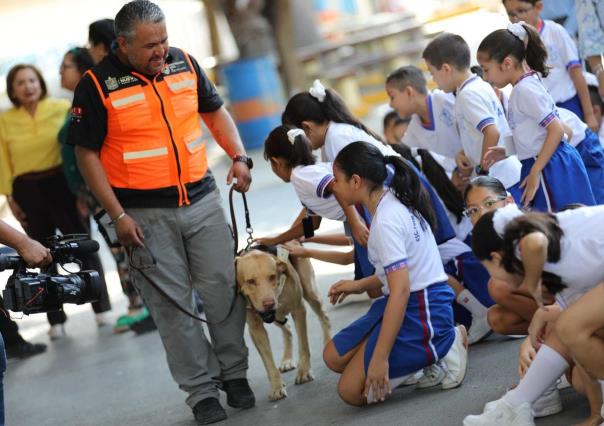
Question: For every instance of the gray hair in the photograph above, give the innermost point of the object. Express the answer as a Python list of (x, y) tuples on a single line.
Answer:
[(134, 12)]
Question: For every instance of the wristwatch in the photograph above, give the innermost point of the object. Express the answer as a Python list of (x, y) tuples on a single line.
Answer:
[(244, 159)]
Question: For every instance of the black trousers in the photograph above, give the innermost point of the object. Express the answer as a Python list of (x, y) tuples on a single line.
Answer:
[(48, 203)]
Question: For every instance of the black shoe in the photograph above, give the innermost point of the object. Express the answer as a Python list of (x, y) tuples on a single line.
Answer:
[(208, 411), (144, 325), (24, 350), (239, 393)]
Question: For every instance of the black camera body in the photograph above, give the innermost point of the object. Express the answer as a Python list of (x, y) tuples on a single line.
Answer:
[(31, 292)]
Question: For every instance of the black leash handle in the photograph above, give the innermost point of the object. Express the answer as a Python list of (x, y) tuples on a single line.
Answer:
[(248, 224)]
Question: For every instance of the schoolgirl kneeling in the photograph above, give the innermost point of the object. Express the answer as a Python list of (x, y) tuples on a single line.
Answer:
[(411, 326)]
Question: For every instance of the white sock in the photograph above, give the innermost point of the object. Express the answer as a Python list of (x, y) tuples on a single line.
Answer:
[(472, 304), (545, 369)]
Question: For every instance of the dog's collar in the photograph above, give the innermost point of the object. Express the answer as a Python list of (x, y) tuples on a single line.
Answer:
[(267, 317)]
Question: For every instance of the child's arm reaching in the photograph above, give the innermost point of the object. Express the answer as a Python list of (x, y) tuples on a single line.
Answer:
[(533, 249), (489, 140), (295, 232), (330, 239), (338, 292), (555, 132), (331, 256), (576, 75)]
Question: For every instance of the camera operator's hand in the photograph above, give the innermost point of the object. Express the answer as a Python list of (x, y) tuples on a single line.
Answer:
[(34, 253), (129, 233)]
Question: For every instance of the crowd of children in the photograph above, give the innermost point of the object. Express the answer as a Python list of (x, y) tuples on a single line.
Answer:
[(474, 212)]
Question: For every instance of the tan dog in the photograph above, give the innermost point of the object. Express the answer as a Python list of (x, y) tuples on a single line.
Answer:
[(271, 284)]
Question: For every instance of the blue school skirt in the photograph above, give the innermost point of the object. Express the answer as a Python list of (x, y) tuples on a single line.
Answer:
[(425, 337), (564, 181), (573, 104), (592, 154)]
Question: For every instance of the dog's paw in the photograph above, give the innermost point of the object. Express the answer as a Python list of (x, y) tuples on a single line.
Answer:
[(277, 393), (287, 365), (304, 376)]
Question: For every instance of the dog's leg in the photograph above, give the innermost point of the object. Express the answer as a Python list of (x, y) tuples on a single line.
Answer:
[(311, 295), (287, 362), (304, 373), (263, 345)]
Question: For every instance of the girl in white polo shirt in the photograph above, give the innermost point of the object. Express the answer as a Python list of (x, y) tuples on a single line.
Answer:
[(411, 327), (553, 174)]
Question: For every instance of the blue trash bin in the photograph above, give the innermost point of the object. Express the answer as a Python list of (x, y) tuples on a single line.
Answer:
[(256, 98)]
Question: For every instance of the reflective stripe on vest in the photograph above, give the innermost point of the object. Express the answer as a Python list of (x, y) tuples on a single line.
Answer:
[(154, 137)]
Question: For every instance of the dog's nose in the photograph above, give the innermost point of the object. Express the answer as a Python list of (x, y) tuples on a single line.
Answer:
[(268, 304)]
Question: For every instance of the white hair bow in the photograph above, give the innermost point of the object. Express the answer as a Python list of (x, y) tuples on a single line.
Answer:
[(317, 91), (503, 216), (293, 134), (518, 30)]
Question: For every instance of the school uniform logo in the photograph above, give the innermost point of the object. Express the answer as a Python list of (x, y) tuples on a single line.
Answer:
[(111, 83)]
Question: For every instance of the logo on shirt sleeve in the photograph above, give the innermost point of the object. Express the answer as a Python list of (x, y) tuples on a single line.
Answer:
[(76, 114)]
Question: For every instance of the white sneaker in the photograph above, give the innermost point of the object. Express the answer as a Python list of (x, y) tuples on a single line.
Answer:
[(502, 414), (455, 363), (479, 330), (547, 404), (563, 382), (432, 375), (411, 379), (56, 331)]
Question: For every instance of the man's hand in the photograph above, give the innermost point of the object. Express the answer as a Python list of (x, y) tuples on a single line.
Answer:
[(241, 172), (34, 253), (17, 211), (129, 233)]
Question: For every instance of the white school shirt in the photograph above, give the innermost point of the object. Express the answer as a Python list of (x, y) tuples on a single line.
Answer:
[(476, 107), (339, 135), (601, 133), (577, 126), (562, 55), (310, 183), (399, 239), (441, 136), (581, 264), (531, 109)]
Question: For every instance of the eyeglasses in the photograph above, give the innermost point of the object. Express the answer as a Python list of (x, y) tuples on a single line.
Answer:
[(520, 12), (486, 205)]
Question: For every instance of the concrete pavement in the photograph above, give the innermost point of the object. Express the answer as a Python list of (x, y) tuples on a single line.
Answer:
[(93, 377)]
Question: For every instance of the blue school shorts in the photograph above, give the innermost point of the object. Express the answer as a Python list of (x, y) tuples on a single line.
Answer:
[(592, 154)]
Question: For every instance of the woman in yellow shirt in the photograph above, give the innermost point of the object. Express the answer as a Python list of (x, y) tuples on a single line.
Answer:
[(30, 169)]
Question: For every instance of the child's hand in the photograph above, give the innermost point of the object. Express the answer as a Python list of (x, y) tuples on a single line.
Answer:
[(537, 329), (530, 185), (526, 357), (460, 181), (338, 292), (360, 232), (463, 163), (296, 250), (266, 241), (592, 123), (493, 155), (377, 384)]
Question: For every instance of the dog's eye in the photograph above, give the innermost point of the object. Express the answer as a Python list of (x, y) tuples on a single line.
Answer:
[(251, 282), (272, 277)]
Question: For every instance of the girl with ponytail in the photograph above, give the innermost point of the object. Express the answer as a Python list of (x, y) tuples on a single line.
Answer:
[(381, 349), (535, 250), (553, 174)]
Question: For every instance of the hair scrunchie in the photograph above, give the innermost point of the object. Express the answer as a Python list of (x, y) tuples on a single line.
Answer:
[(317, 91), (503, 216), (292, 134), (519, 31)]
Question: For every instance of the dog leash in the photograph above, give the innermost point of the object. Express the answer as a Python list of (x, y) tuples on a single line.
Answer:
[(248, 224)]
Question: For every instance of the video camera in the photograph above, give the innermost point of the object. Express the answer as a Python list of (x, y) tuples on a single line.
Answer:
[(31, 292)]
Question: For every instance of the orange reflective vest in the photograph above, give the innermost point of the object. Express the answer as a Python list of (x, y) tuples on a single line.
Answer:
[(154, 136)]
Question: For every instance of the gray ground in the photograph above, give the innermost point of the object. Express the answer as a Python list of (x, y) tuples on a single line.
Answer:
[(93, 377)]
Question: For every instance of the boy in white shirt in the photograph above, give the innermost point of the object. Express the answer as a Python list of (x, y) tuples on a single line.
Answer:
[(478, 110)]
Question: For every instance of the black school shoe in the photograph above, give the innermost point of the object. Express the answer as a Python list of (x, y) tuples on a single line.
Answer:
[(209, 411), (24, 350), (239, 393), (144, 326)]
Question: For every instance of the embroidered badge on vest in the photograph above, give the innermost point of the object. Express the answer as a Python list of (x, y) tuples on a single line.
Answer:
[(111, 83)]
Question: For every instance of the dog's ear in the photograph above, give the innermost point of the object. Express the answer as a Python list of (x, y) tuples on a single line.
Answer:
[(286, 268)]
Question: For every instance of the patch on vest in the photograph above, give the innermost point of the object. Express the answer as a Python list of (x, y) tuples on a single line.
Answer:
[(76, 114), (111, 83), (175, 67)]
